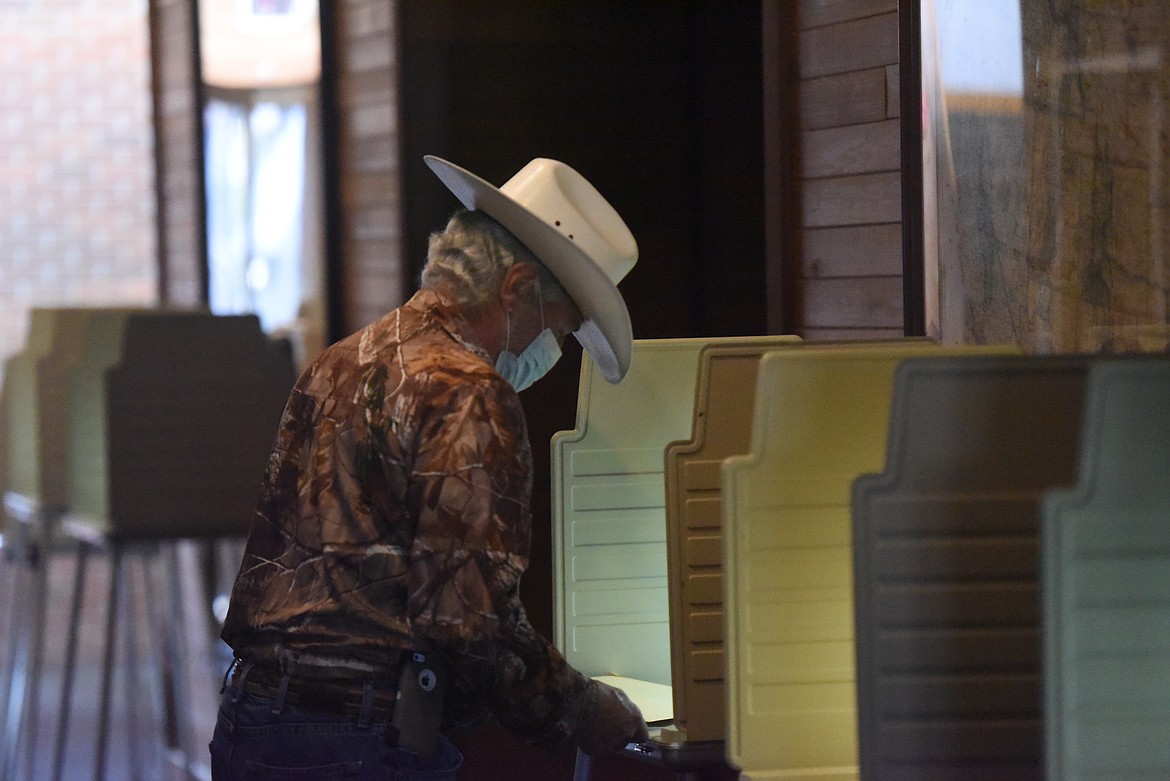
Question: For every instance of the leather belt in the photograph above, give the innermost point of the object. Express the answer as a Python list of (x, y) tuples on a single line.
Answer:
[(319, 694)]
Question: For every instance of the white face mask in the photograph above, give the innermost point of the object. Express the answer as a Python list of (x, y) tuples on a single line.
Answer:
[(535, 360)]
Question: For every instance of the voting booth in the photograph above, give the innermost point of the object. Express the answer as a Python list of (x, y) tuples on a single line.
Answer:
[(725, 399), (1106, 570), (721, 425), (946, 565), (129, 428), (612, 607), (821, 418)]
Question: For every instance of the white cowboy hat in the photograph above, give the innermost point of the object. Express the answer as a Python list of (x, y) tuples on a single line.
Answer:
[(574, 231)]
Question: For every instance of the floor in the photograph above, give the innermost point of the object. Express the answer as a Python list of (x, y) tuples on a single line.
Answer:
[(138, 745)]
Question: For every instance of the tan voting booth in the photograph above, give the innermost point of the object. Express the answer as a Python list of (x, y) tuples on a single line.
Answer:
[(725, 398), (821, 417)]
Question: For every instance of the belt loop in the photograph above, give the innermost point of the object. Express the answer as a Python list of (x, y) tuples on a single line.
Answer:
[(239, 691), (367, 704), (281, 691)]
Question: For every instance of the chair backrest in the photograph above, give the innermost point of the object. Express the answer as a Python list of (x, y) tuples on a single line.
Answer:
[(1106, 566), (820, 421), (946, 565), (171, 417)]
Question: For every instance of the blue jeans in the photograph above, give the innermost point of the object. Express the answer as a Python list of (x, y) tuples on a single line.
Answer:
[(254, 744)]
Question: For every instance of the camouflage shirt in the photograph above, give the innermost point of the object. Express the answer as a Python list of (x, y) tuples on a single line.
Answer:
[(395, 514)]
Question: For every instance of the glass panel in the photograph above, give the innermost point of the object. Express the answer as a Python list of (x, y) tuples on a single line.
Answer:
[(255, 185), (261, 64), (1045, 177)]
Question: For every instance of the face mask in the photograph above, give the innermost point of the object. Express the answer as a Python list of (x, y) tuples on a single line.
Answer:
[(534, 362)]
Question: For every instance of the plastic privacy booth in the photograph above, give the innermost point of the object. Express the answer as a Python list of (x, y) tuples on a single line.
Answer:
[(134, 427), (725, 398), (724, 403), (609, 530), (820, 421), (946, 566), (1106, 565)]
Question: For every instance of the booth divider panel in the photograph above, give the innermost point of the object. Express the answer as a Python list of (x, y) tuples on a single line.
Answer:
[(724, 401), (1106, 566), (171, 416), (611, 609), (609, 556), (946, 568), (820, 421)]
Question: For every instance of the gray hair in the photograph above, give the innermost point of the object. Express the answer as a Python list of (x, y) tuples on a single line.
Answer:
[(471, 256)]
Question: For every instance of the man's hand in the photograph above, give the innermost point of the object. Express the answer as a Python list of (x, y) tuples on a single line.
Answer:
[(608, 720)]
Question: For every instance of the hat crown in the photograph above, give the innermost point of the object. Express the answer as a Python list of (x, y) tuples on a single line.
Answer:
[(566, 201)]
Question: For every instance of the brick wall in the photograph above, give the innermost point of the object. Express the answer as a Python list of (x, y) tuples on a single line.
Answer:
[(76, 174)]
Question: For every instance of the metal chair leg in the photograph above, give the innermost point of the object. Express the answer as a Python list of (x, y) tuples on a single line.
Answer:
[(132, 675), (68, 672), (15, 690), (39, 562), (108, 662), (175, 657)]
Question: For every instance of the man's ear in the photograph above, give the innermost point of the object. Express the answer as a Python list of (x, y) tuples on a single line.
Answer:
[(516, 282)]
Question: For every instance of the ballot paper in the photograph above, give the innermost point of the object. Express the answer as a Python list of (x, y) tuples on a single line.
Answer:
[(655, 700)]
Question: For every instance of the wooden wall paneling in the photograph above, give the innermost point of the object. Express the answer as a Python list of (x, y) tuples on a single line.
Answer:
[(813, 333), (852, 149), (854, 302), (816, 13), (843, 99), (847, 169), (852, 251), (893, 91), (852, 200), (869, 42), (178, 127), (360, 97)]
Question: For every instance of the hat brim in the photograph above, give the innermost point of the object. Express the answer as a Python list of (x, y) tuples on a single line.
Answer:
[(606, 332)]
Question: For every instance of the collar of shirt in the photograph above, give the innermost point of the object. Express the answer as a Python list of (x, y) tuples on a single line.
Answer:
[(446, 315)]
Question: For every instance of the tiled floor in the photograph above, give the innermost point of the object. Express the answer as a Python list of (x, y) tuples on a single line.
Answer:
[(202, 660)]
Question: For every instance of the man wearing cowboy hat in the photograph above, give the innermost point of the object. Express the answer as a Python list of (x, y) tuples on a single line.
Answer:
[(377, 604)]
